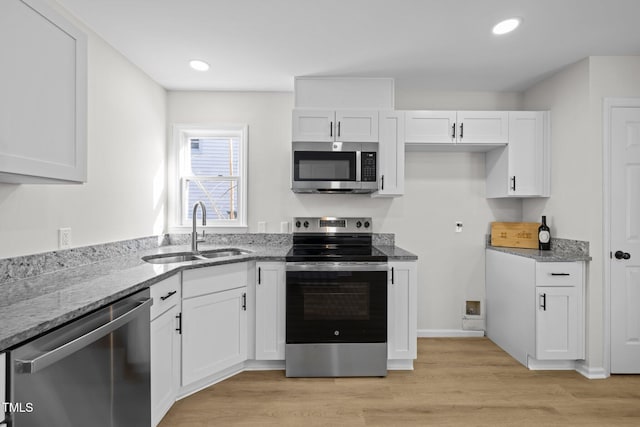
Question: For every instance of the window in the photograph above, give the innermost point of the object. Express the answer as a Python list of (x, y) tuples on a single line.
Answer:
[(209, 166)]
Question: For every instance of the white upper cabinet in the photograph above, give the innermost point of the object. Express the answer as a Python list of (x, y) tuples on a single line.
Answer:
[(429, 129), (330, 125), (522, 168), (43, 107), (432, 127), (391, 155)]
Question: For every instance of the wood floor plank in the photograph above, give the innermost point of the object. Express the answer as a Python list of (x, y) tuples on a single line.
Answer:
[(456, 382)]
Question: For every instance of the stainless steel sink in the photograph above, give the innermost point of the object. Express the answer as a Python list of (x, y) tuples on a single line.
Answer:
[(174, 257), (219, 253)]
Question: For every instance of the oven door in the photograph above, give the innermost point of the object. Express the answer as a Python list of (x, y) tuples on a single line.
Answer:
[(336, 303)]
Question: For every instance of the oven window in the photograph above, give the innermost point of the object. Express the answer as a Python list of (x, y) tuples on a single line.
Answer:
[(324, 166), (346, 302)]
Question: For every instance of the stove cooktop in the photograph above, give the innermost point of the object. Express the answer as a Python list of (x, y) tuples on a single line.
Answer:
[(309, 253), (332, 239)]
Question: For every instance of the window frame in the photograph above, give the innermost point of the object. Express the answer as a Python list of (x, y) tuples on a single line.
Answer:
[(180, 142)]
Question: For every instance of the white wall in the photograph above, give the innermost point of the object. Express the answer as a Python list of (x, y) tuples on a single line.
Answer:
[(575, 97), (441, 188), (125, 193)]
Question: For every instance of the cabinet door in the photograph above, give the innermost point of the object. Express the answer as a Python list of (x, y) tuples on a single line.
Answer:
[(430, 127), (214, 333), (314, 125), (526, 153), (522, 168), (482, 127), (270, 310), (391, 154), (557, 323), (165, 362), (356, 126), (43, 82), (402, 317)]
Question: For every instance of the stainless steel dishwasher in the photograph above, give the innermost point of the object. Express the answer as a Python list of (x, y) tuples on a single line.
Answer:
[(93, 371)]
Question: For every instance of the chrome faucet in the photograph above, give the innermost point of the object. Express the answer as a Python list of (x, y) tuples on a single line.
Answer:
[(194, 233)]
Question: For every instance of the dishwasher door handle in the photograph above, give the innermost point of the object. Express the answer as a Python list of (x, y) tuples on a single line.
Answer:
[(33, 365)]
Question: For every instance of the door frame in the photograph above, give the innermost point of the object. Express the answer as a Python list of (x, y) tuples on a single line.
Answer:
[(609, 104)]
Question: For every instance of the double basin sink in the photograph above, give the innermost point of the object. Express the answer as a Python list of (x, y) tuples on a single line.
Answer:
[(174, 257)]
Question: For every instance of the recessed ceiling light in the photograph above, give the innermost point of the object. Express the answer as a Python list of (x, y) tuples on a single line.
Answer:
[(506, 26), (199, 65)]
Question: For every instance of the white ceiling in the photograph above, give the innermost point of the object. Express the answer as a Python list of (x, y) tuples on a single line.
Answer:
[(429, 44)]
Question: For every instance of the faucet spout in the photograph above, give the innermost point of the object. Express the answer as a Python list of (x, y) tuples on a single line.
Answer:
[(194, 231)]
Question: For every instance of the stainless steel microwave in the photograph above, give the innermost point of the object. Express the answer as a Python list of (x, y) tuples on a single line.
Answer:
[(334, 167)]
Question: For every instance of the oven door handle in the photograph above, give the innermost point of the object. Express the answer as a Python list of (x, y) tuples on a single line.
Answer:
[(33, 365), (337, 266)]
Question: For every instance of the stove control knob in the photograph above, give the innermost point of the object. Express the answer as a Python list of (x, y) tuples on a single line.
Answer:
[(298, 224), (366, 224), (358, 224), (306, 224)]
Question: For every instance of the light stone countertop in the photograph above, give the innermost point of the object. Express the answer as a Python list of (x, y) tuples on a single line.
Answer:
[(562, 250), (34, 305)]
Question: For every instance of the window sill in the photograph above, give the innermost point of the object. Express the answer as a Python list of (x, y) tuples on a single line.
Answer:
[(213, 229)]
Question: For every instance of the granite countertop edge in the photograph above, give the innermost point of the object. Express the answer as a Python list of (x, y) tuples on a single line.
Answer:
[(35, 305), (544, 256)]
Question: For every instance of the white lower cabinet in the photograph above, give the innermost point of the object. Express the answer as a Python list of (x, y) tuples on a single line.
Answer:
[(402, 313), (214, 320), (165, 346), (270, 310), (535, 310)]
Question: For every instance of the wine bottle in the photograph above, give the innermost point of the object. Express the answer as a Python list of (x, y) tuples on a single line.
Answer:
[(544, 235)]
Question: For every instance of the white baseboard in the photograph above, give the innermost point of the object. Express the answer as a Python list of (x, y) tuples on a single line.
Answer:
[(448, 333), (591, 373)]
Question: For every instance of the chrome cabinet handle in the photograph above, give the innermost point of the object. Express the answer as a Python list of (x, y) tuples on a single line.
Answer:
[(461, 130), (338, 128), (513, 183), (543, 306), (330, 128), (453, 131), (382, 179)]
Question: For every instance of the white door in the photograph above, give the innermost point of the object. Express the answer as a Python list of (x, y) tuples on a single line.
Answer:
[(625, 240)]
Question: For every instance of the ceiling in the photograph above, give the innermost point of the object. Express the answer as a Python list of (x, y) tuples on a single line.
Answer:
[(426, 44)]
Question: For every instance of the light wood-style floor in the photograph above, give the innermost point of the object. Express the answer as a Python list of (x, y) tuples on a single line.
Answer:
[(456, 381)]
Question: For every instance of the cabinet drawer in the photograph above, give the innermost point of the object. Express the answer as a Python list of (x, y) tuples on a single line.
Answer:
[(202, 281), (558, 273), (165, 295)]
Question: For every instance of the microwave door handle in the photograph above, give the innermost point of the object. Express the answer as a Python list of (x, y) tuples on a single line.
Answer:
[(358, 166), (42, 361)]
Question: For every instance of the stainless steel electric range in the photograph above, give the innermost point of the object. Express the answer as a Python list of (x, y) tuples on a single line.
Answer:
[(336, 300)]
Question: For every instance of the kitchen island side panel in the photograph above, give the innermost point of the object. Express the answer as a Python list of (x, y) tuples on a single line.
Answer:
[(510, 292)]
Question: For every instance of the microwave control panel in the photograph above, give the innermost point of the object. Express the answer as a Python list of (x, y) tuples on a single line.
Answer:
[(369, 172)]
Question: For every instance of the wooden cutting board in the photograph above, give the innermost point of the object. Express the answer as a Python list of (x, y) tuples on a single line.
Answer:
[(515, 234)]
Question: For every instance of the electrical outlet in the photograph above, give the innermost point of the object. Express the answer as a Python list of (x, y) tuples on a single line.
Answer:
[(64, 238), (458, 226)]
